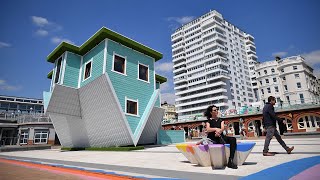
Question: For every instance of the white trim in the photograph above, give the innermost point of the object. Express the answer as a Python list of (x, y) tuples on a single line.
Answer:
[(133, 100), (91, 60), (79, 80), (64, 66), (41, 130), (139, 72), (105, 56), (125, 64)]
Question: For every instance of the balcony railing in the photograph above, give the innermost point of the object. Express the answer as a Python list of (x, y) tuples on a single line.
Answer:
[(25, 119)]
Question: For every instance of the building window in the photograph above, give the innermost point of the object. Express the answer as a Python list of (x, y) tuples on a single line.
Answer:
[(301, 98), (301, 124), (119, 64), (294, 67), (297, 76), (262, 92), (261, 83), (274, 79), (269, 90), (288, 99), (87, 70), (282, 70), (143, 72), (267, 81), (272, 70), (285, 87), (24, 137), (298, 85), (259, 73), (265, 72), (284, 78), (56, 80), (276, 89), (40, 137), (132, 107)]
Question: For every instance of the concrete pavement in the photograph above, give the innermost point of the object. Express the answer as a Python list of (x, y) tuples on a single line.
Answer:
[(168, 162)]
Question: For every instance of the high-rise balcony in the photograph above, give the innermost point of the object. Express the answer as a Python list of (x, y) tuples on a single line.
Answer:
[(179, 69), (180, 80), (179, 63), (179, 87), (203, 107), (197, 88), (211, 92)]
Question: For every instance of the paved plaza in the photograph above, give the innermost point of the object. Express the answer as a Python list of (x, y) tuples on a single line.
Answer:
[(168, 162)]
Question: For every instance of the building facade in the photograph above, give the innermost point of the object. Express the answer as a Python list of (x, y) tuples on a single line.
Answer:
[(22, 122), (213, 64), (290, 80), (105, 92), (170, 114)]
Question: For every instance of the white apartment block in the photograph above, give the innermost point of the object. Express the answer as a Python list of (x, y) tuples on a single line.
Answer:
[(290, 80), (213, 64)]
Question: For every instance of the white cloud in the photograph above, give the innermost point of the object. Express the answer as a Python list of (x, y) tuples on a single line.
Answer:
[(313, 59), (42, 32), (181, 20), (7, 87), (39, 21), (4, 45), (164, 67), (169, 97), (280, 54), (57, 40)]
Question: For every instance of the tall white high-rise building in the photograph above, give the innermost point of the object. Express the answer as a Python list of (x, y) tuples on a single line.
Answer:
[(213, 64), (290, 80)]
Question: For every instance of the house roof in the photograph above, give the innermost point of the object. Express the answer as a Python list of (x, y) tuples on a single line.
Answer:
[(99, 36), (161, 79)]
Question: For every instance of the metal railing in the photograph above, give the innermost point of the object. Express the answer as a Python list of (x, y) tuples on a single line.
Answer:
[(33, 119)]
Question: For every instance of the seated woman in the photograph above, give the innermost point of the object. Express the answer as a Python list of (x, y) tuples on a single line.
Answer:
[(215, 128)]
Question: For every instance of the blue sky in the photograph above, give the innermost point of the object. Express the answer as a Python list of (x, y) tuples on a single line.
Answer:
[(30, 30)]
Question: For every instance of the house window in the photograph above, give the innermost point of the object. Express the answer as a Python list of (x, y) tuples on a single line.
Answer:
[(56, 80), (269, 90), (294, 67), (119, 64), (297, 76), (282, 70), (267, 81), (276, 89), (285, 87), (132, 107), (272, 70), (274, 79), (24, 137), (284, 78), (41, 137), (143, 72), (298, 85), (301, 98), (265, 72), (87, 70)]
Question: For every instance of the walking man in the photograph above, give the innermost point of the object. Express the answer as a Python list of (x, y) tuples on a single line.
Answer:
[(269, 123)]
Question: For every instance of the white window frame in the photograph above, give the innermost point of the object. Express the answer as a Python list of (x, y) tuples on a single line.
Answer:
[(148, 72), (84, 72), (298, 85), (41, 132), (24, 133), (133, 100), (125, 64)]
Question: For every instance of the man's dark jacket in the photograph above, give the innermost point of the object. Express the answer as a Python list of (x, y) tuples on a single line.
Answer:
[(269, 116)]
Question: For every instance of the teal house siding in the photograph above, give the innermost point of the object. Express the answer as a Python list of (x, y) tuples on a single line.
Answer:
[(157, 104), (128, 86), (170, 136), (71, 74), (97, 56)]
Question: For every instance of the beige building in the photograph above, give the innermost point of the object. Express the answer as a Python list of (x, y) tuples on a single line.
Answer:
[(170, 112), (290, 80)]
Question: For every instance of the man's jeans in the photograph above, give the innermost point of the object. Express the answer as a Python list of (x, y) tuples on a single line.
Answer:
[(272, 131)]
